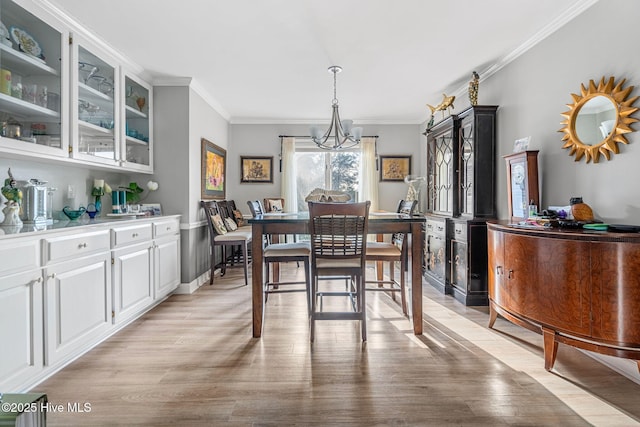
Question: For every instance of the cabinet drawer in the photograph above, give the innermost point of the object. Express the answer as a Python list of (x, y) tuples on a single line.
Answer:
[(74, 246), (130, 235), (19, 256), (166, 228), (460, 232)]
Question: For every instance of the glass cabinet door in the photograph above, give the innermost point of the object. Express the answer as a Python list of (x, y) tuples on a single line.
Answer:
[(137, 153), (33, 63), (93, 111)]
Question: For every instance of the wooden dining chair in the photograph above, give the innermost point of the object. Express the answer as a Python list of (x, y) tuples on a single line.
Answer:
[(338, 234), (392, 252), (227, 240), (274, 254)]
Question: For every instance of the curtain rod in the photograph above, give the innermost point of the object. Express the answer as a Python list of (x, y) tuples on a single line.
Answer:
[(293, 136), (308, 136)]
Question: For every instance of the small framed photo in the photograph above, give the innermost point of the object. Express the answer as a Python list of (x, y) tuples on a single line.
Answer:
[(151, 209), (521, 144), (394, 168), (256, 169)]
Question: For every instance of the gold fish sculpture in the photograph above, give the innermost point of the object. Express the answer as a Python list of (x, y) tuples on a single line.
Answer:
[(447, 102)]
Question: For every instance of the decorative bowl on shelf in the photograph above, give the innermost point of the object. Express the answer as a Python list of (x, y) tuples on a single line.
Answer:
[(73, 214)]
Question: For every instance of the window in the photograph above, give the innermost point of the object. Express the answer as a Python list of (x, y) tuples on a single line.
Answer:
[(332, 170)]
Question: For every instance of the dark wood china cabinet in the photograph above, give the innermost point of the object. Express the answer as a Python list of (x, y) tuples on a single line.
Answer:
[(461, 154)]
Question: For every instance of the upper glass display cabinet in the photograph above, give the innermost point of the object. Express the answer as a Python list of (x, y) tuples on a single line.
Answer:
[(137, 130), (32, 83), (94, 113)]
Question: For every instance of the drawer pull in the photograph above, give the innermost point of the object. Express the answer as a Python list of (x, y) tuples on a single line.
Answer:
[(510, 276), (134, 235), (38, 280), (169, 228), (82, 245)]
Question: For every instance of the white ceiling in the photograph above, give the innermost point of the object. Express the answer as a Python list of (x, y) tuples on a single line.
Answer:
[(265, 61)]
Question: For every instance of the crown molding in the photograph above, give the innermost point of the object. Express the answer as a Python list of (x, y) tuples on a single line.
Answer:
[(561, 20), (76, 28)]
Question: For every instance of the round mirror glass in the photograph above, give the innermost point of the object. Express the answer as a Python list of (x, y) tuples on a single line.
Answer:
[(595, 120)]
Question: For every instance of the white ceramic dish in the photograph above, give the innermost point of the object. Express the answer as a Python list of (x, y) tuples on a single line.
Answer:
[(25, 42)]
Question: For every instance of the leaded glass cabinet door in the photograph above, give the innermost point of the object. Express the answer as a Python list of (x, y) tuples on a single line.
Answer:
[(442, 146), (476, 165)]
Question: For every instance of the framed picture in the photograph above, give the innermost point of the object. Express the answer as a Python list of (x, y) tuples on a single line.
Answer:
[(394, 168), (151, 209), (256, 169), (521, 144), (214, 170)]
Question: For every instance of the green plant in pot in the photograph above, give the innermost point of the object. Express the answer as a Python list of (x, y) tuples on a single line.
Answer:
[(134, 192)]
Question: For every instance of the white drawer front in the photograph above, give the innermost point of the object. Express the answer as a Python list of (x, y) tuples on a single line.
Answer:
[(19, 256), (129, 235), (166, 228), (74, 246)]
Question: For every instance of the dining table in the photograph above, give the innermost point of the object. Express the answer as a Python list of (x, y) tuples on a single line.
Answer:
[(380, 223)]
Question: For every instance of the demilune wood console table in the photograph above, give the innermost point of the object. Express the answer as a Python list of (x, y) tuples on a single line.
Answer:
[(575, 287)]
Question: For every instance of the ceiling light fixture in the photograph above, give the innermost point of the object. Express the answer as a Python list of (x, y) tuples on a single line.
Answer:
[(341, 134)]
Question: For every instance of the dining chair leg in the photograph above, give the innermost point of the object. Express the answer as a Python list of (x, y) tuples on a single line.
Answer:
[(392, 275), (212, 262), (363, 305), (245, 257), (403, 293)]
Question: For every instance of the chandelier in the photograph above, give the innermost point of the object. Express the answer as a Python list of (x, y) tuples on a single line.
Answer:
[(341, 134)]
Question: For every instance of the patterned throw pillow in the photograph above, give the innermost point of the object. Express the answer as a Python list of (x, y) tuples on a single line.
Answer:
[(275, 205), (231, 225), (237, 215), (218, 224)]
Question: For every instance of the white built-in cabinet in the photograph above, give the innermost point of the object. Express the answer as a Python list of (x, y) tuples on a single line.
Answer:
[(21, 326), (166, 252), (95, 111), (64, 291), (77, 292), (132, 270)]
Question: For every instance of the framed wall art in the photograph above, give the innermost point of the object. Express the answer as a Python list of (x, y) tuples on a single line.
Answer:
[(214, 170), (256, 169), (394, 168)]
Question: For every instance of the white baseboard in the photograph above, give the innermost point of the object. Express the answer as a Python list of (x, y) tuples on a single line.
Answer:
[(189, 288)]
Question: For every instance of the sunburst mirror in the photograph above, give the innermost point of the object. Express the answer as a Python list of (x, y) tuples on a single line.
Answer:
[(598, 120)]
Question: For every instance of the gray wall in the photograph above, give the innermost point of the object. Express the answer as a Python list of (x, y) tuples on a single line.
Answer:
[(183, 117), (263, 140), (533, 91)]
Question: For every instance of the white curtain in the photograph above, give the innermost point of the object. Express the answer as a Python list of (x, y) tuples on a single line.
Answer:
[(368, 173), (288, 177)]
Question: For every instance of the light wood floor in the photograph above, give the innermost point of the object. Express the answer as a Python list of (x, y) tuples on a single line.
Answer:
[(192, 361)]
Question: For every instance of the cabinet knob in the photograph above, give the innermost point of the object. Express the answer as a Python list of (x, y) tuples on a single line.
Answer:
[(52, 276), (134, 235), (82, 245), (38, 280), (510, 274)]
